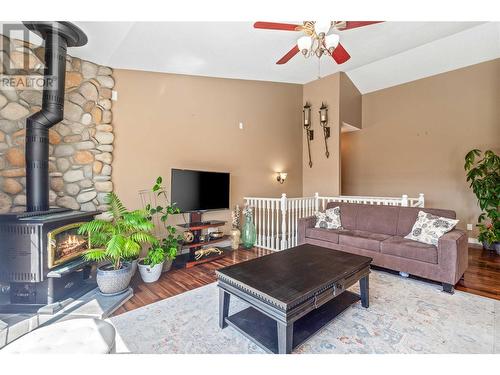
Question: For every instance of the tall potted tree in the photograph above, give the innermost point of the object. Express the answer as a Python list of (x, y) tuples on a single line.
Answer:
[(114, 240), (483, 173)]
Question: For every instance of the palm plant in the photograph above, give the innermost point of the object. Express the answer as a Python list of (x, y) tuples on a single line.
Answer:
[(484, 177), (119, 238)]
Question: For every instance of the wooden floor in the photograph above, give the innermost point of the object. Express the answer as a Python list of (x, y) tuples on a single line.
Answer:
[(482, 277)]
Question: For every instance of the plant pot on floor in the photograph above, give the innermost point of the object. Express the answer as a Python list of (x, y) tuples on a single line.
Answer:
[(150, 274), (167, 265), (495, 246), (111, 281)]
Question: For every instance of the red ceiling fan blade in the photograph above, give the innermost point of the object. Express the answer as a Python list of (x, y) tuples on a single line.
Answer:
[(340, 55), (354, 24), (277, 26), (288, 56)]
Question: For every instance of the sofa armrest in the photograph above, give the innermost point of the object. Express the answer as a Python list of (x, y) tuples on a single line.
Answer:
[(453, 255), (302, 225)]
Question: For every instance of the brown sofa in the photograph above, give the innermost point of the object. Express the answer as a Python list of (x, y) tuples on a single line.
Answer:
[(378, 232)]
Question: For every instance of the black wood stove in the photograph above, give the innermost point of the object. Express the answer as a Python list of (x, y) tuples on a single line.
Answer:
[(40, 249)]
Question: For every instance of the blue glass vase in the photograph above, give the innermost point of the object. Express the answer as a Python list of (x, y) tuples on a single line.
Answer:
[(248, 232)]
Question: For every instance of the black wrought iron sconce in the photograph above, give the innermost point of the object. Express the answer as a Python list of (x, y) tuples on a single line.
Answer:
[(323, 120), (306, 119), (281, 178)]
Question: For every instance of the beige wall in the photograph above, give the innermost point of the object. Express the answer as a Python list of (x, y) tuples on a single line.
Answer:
[(415, 136), (350, 102), (324, 176), (165, 121)]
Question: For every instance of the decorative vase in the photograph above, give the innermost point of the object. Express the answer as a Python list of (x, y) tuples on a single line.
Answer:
[(248, 232), (111, 281), (235, 238)]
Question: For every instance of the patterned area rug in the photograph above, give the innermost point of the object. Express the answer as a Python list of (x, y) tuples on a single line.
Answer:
[(405, 316)]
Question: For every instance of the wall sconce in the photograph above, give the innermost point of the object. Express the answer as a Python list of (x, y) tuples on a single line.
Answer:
[(306, 112), (323, 120), (281, 177)]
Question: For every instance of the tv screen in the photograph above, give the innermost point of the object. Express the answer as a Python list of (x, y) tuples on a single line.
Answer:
[(200, 191)]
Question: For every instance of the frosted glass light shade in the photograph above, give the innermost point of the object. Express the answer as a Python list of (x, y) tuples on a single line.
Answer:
[(322, 27), (304, 43), (332, 41)]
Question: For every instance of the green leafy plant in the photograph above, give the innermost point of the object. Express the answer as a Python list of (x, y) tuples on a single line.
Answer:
[(170, 243), (484, 177), (155, 256), (120, 237)]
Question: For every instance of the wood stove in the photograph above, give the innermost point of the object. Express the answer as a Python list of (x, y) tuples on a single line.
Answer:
[(40, 250)]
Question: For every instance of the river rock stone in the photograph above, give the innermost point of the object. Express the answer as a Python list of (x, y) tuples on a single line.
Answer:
[(68, 202), (54, 137), (86, 119), (97, 167), (85, 184), (104, 104), (11, 186), (62, 164), (17, 172), (63, 150), (33, 97), (52, 197), (106, 81), (104, 138), (106, 170), (105, 157), (97, 115), (107, 117), (104, 71), (14, 111), (86, 196), (105, 148), (20, 200), (57, 183), (3, 101), (104, 128), (62, 129), (5, 203), (72, 111), (104, 186), (85, 145), (72, 189), (83, 157), (73, 175), (88, 206), (15, 157), (105, 93), (89, 70), (89, 91), (102, 198), (77, 98), (73, 79)]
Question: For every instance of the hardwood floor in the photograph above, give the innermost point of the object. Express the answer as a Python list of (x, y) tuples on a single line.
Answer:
[(182, 280), (482, 277)]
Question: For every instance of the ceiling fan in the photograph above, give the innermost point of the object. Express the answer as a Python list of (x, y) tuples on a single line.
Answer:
[(319, 38)]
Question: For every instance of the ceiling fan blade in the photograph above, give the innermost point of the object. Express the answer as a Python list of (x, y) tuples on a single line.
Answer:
[(288, 56), (340, 55), (277, 26), (354, 24)]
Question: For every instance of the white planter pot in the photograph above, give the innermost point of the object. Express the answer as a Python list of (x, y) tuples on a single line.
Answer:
[(150, 274)]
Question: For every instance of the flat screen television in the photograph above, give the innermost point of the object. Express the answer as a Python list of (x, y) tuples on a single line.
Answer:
[(199, 190)]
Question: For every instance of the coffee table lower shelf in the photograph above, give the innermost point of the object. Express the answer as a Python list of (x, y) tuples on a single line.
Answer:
[(262, 329)]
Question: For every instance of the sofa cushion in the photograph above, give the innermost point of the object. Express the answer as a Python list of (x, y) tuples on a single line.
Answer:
[(404, 248), (348, 213), (362, 239), (408, 216), (429, 228), (323, 234), (377, 219), (330, 219)]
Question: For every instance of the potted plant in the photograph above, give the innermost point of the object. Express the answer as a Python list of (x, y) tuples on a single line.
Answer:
[(151, 266), (170, 243), (113, 241), (484, 177)]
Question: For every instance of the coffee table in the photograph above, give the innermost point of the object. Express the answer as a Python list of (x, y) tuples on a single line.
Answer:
[(292, 294)]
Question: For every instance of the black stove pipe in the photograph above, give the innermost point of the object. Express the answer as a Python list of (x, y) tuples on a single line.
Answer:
[(57, 36)]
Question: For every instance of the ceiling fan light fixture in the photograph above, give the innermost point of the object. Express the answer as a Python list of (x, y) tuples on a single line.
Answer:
[(304, 44), (322, 27), (332, 41)]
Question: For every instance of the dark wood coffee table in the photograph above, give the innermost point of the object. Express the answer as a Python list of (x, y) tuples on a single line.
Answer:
[(292, 293)]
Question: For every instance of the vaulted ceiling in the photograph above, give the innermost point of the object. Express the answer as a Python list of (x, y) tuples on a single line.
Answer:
[(383, 55)]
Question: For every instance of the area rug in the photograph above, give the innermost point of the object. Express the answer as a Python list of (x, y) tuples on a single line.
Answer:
[(405, 316)]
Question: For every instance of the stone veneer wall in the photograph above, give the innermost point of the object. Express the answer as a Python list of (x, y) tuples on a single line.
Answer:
[(81, 145)]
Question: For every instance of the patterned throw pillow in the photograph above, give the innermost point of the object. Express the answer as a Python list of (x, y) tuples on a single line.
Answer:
[(428, 228), (330, 219)]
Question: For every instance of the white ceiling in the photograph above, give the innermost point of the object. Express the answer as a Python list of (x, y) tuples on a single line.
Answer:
[(382, 55)]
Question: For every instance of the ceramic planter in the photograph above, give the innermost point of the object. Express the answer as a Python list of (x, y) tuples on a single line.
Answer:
[(495, 246), (111, 281), (150, 274)]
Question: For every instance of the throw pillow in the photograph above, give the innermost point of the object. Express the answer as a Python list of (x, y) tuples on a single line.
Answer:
[(428, 228), (330, 219)]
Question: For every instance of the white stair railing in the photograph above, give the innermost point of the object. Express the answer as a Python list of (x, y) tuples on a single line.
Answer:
[(276, 219)]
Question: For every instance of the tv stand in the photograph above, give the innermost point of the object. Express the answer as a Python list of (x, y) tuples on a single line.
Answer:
[(196, 225)]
